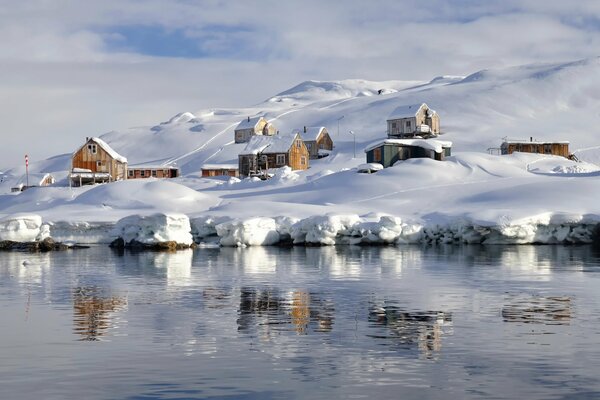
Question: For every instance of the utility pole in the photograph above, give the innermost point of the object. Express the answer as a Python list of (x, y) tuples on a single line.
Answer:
[(354, 136), (338, 120), (27, 169)]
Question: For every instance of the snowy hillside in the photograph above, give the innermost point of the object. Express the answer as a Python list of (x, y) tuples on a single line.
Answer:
[(546, 102)]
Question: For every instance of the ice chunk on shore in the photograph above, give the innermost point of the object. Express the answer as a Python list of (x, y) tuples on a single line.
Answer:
[(23, 228), (251, 232), (324, 230), (155, 228)]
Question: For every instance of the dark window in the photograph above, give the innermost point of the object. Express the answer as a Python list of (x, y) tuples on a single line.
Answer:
[(142, 173), (154, 172), (130, 173), (377, 154)]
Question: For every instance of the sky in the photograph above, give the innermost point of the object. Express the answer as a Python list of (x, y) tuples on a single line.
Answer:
[(76, 68)]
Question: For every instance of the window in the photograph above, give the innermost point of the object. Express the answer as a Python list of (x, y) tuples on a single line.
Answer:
[(280, 159), (377, 154), (394, 125), (408, 125), (309, 146), (298, 143), (130, 173), (303, 160), (154, 173), (142, 173), (92, 148), (547, 149)]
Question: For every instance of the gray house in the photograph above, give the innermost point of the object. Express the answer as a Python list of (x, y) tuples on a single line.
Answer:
[(387, 151), (252, 127)]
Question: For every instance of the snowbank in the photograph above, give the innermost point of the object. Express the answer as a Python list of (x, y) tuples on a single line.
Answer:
[(23, 228), (154, 229)]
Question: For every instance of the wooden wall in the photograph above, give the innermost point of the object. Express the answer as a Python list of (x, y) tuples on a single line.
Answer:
[(556, 149), (219, 172), (136, 173), (100, 161), (298, 155)]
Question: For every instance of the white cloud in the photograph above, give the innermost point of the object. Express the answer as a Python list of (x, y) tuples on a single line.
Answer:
[(62, 80)]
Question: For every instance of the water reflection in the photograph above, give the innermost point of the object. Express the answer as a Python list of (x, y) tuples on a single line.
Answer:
[(538, 310), (410, 329), (93, 312), (269, 310)]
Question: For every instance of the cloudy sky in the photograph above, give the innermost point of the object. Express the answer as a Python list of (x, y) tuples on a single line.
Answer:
[(70, 69)]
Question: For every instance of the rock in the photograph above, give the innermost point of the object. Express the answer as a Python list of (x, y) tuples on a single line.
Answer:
[(159, 246)]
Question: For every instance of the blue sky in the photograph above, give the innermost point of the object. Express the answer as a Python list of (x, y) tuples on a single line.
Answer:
[(79, 68)]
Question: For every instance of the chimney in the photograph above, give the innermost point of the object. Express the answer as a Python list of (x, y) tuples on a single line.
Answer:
[(531, 138), (248, 119), (87, 138), (304, 128)]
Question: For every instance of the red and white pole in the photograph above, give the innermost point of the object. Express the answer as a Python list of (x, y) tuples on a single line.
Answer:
[(27, 168)]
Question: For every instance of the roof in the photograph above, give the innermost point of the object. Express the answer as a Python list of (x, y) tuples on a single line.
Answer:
[(152, 166), (106, 148), (34, 179), (220, 166), (523, 141), (407, 111), (248, 123), (312, 132), (269, 144), (431, 144)]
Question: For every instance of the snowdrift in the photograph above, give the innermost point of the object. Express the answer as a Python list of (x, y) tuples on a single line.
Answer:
[(154, 229), (23, 228)]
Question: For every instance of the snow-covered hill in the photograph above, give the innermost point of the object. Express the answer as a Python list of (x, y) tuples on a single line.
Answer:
[(547, 102)]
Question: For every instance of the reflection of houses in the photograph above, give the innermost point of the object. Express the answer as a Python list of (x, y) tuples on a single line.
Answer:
[(317, 140), (92, 312), (420, 329), (35, 180), (539, 310), (268, 309), (387, 151), (97, 162), (266, 152), (210, 170), (510, 146), (250, 127), (152, 171), (412, 121)]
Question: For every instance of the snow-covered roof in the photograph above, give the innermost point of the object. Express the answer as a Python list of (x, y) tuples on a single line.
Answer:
[(111, 152), (407, 111), (269, 144), (219, 166), (151, 166), (312, 132), (34, 179), (523, 141), (248, 123), (431, 144)]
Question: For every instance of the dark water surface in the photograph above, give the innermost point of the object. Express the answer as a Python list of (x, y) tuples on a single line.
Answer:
[(272, 323)]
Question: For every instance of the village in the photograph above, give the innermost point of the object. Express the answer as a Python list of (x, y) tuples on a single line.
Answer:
[(412, 132)]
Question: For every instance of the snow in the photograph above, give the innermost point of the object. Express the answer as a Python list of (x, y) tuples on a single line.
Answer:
[(430, 144), (155, 228), (369, 167), (312, 132), (406, 111), (248, 123), (23, 228), (220, 166), (472, 197), (109, 150), (269, 144)]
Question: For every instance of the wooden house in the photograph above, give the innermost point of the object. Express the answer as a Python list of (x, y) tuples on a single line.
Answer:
[(252, 127), (387, 151), (97, 162), (552, 148), (34, 180), (416, 120), (263, 153), (152, 171), (212, 170), (317, 140)]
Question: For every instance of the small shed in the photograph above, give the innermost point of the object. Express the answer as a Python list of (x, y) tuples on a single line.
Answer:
[(211, 170), (252, 127), (35, 180), (414, 120), (98, 162), (317, 140), (387, 151), (142, 171), (510, 146), (266, 152)]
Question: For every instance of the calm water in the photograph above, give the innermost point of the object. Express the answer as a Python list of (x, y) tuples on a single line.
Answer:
[(263, 323)]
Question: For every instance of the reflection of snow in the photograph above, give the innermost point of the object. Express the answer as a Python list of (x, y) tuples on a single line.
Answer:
[(178, 266)]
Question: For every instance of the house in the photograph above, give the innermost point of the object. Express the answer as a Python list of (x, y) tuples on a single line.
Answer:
[(317, 140), (251, 127), (509, 146), (143, 171), (97, 162), (266, 152), (211, 170), (416, 120), (33, 180), (387, 151)]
